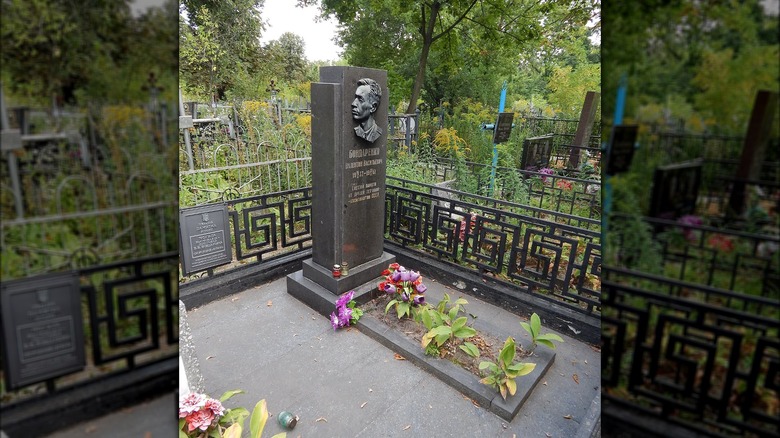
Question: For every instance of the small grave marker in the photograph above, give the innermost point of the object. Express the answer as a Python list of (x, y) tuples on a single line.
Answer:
[(43, 334), (503, 127), (204, 238), (621, 149)]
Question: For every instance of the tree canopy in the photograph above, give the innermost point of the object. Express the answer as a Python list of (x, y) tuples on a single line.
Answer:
[(432, 45), (701, 60)]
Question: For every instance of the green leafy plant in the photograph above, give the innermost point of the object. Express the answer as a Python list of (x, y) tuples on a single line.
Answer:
[(201, 416), (444, 325), (534, 329), (503, 372)]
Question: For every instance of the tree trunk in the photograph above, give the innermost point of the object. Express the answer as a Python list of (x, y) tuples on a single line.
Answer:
[(427, 34)]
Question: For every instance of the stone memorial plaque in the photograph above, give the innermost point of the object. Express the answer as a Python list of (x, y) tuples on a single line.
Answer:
[(503, 127), (536, 152), (621, 149), (675, 190), (204, 238), (43, 334)]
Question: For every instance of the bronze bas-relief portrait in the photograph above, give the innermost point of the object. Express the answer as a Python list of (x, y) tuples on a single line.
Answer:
[(367, 97)]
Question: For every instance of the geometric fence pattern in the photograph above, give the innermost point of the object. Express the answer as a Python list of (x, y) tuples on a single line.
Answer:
[(130, 320), (702, 357), (539, 255), (523, 245)]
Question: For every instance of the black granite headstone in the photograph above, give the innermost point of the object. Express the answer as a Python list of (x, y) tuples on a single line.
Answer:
[(349, 148), (675, 190), (43, 335), (536, 152), (204, 238), (503, 127), (621, 149)]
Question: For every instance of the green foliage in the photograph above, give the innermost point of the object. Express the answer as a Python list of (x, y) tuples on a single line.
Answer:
[(218, 42), (444, 325), (537, 337), (74, 52), (470, 349), (402, 308), (502, 372), (712, 56)]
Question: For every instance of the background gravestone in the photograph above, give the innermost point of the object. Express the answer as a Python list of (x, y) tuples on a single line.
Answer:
[(348, 183), (536, 152), (675, 190)]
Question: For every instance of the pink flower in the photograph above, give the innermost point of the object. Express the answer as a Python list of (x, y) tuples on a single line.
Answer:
[(200, 420), (215, 406), (191, 403)]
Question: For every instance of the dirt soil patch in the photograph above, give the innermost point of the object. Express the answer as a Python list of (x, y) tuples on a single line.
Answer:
[(488, 345)]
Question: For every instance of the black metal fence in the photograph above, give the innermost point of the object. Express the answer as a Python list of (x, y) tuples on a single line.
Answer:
[(130, 320), (702, 357), (727, 259), (551, 254)]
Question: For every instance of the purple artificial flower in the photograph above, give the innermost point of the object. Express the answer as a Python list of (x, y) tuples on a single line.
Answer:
[(345, 314), (421, 288), (419, 299), (389, 288), (405, 295), (334, 321), (414, 276), (406, 276), (691, 220), (396, 275), (546, 171), (345, 299)]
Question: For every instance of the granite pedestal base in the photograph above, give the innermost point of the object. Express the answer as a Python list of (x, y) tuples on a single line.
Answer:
[(358, 275)]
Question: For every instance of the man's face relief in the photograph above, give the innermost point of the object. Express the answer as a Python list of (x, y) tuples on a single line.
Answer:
[(361, 106)]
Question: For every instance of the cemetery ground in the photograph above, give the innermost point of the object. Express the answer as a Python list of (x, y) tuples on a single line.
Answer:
[(344, 383)]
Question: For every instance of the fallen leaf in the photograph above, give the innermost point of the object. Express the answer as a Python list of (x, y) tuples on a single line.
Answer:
[(321, 419), (568, 417), (576, 378), (576, 332), (269, 303), (547, 435), (234, 299), (407, 427), (503, 425), (398, 357), (364, 403), (544, 383), (209, 357), (370, 390), (586, 362)]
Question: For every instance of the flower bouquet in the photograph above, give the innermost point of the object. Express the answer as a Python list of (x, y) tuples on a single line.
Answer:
[(201, 416), (406, 286), (346, 311)]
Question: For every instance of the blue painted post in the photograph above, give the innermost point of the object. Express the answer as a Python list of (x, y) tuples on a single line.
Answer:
[(620, 104), (501, 104)]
